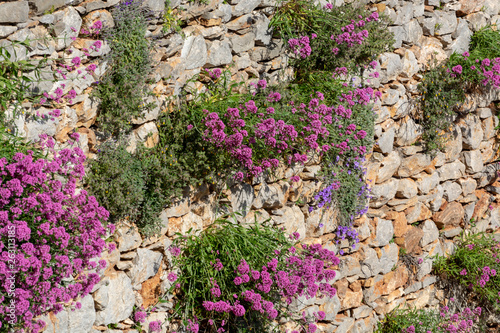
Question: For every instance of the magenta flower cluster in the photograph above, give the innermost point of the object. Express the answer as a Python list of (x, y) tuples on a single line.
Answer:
[(487, 69), (270, 289), (49, 233), (349, 36), (301, 46), (286, 129)]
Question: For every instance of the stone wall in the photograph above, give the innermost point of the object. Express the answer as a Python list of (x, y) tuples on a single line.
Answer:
[(420, 203)]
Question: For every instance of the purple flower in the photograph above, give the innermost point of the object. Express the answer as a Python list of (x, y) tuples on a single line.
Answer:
[(155, 326)]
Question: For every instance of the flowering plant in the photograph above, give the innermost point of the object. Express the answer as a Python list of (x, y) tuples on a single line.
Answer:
[(50, 236), (231, 277), (475, 264), (328, 37), (411, 320)]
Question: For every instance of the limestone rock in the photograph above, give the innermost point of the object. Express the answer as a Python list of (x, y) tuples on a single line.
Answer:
[(242, 43), (219, 54), (472, 131), (14, 12), (426, 182), (408, 132), (383, 234), (410, 64), (391, 66), (292, 219), (452, 214), (431, 233), (114, 300), (413, 165), (451, 171), (382, 193), (386, 141), (452, 191), (453, 144), (407, 189), (271, 196), (242, 196), (67, 24), (447, 21), (67, 321), (194, 52), (411, 239), (390, 165), (184, 223), (473, 161), (45, 5), (127, 238), (145, 265)]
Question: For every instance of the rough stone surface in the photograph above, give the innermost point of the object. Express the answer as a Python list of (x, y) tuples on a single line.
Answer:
[(145, 265), (14, 12), (431, 233), (67, 321), (194, 52), (452, 214), (114, 300)]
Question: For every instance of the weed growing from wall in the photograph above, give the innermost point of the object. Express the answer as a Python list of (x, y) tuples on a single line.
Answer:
[(123, 88), (475, 264)]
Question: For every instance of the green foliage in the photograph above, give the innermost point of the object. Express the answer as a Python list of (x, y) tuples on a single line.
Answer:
[(399, 320), (228, 243), (134, 186), (11, 144), (439, 96), (484, 44), (467, 266), (170, 20), (123, 88), (14, 81), (297, 18)]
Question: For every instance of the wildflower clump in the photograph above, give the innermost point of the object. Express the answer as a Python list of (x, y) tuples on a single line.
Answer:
[(474, 265), (412, 320), (231, 277), (50, 236)]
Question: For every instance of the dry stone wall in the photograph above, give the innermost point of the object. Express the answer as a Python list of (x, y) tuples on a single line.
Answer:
[(420, 203)]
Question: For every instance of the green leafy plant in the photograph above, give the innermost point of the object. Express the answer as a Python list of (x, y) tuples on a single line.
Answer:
[(170, 20), (439, 96), (134, 186), (123, 88), (400, 319), (474, 264), (14, 81)]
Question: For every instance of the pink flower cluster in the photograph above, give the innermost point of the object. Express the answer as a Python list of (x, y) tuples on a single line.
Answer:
[(48, 233), (309, 129), (461, 322), (287, 276), (349, 36), (301, 46), (488, 69)]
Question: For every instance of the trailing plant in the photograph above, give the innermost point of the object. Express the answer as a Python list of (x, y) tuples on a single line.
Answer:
[(474, 264), (123, 88), (412, 320), (330, 37), (241, 279), (50, 236), (439, 97)]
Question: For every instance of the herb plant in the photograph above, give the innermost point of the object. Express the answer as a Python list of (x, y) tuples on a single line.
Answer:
[(123, 88)]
